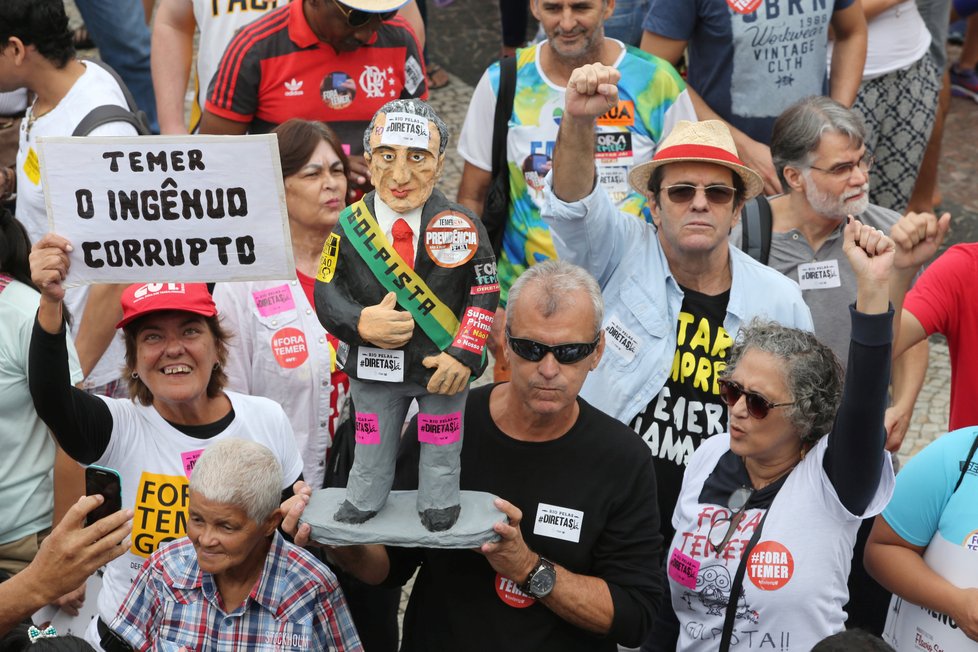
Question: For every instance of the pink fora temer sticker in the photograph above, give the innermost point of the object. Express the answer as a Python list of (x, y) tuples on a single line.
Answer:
[(189, 460), (273, 300), (683, 569), (367, 428), (440, 429)]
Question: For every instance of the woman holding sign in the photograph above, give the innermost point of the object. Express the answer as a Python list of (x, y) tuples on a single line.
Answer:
[(175, 354), (767, 515)]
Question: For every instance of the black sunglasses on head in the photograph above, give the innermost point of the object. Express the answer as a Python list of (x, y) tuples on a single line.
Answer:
[(757, 406), (564, 353), (359, 17)]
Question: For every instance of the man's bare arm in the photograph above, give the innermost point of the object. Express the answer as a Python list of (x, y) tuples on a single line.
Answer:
[(103, 310), (591, 90), (849, 54), (473, 188), (213, 124), (172, 52)]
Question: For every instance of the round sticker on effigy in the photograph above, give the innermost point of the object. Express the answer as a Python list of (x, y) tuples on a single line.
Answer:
[(451, 239)]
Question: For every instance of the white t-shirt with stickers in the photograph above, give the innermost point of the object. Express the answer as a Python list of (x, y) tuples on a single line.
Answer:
[(94, 88), (794, 586), (155, 461)]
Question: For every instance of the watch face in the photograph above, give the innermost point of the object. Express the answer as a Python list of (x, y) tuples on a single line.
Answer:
[(542, 582)]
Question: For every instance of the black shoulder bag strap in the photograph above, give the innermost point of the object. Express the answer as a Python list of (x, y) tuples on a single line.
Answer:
[(495, 213), (504, 109), (757, 224), (107, 113), (967, 462), (738, 582)]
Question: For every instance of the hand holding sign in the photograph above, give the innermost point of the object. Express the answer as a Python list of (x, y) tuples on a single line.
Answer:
[(49, 265), (385, 326)]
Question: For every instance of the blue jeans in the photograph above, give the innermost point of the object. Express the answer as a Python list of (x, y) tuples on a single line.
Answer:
[(626, 23), (119, 29)]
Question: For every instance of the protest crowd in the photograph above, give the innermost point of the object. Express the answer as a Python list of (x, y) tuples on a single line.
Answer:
[(664, 335)]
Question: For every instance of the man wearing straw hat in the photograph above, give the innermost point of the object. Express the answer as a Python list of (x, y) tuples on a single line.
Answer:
[(676, 293)]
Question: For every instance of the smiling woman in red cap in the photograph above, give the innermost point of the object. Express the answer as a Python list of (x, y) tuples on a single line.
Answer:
[(175, 353)]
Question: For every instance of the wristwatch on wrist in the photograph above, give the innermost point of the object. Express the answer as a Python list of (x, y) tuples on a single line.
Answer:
[(540, 582)]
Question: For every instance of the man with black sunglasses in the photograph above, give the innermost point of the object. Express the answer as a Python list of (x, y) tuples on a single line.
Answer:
[(577, 565), (337, 61)]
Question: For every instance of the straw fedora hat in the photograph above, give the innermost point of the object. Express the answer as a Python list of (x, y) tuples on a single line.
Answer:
[(707, 141), (374, 6)]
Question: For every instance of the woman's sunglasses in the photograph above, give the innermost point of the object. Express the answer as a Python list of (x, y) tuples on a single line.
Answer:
[(359, 18), (757, 406), (681, 193), (564, 353)]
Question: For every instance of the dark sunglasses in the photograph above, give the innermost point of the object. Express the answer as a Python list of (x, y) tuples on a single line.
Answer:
[(564, 353), (359, 17), (757, 406), (681, 193), (735, 504)]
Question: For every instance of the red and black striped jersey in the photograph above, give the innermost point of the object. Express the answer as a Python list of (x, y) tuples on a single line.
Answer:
[(276, 68)]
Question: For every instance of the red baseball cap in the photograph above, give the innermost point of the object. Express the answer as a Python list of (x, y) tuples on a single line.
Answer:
[(143, 298)]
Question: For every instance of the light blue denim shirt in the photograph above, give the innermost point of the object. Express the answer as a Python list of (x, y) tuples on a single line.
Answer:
[(643, 299)]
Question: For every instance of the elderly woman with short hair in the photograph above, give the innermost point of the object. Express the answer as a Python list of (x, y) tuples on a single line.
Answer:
[(767, 515), (235, 566)]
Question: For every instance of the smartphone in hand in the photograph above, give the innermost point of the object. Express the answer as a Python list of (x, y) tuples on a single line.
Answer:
[(108, 482)]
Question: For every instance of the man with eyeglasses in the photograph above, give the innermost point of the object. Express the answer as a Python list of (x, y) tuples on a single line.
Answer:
[(677, 292), (329, 60), (577, 565), (824, 167)]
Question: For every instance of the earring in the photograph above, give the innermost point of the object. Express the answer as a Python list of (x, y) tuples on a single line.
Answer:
[(134, 375), (217, 365)]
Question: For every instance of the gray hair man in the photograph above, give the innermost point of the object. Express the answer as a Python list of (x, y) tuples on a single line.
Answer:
[(821, 158), (234, 561), (582, 536)]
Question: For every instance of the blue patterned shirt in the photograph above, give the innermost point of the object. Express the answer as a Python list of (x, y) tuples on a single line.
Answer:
[(296, 605)]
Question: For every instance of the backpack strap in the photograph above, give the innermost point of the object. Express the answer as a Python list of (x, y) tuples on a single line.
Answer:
[(757, 224), (504, 109), (107, 113)]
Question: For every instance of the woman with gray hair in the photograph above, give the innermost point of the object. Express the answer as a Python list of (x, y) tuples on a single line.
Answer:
[(768, 513), (235, 567)]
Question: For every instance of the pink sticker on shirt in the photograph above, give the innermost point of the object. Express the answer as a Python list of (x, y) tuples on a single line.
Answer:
[(367, 428), (440, 429), (273, 300), (683, 569), (189, 460)]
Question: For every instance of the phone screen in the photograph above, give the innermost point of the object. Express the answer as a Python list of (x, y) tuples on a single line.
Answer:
[(99, 480)]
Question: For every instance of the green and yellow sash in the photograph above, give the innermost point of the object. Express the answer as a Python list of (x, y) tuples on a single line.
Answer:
[(413, 294)]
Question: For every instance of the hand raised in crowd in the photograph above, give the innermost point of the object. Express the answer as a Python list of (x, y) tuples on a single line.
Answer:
[(591, 90), (917, 237), (384, 326), (870, 253), (510, 556), (450, 377), (49, 265)]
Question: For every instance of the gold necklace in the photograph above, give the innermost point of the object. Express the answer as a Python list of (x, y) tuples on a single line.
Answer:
[(32, 118)]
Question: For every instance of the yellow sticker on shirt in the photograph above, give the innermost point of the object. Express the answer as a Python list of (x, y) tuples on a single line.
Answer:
[(32, 167), (327, 262), (160, 511)]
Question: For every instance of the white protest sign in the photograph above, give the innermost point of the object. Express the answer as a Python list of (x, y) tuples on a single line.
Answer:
[(168, 208)]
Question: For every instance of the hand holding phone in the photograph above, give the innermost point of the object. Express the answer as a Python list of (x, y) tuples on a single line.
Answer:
[(105, 481)]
